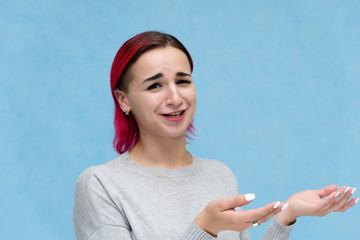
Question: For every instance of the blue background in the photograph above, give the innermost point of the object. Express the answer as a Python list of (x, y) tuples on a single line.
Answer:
[(278, 100)]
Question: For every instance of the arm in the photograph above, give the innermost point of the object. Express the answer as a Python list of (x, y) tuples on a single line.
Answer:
[(95, 215)]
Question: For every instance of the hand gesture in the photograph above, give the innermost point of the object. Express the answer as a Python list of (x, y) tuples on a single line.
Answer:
[(318, 202), (222, 214)]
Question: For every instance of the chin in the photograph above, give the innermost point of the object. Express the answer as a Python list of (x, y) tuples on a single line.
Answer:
[(175, 134)]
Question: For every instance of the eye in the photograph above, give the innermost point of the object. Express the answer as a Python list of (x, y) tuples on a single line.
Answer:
[(183, 82), (153, 86)]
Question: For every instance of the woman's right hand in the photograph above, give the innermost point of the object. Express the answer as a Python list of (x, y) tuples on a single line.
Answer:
[(221, 215)]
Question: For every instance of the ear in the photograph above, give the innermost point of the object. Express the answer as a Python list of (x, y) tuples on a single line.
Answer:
[(122, 100)]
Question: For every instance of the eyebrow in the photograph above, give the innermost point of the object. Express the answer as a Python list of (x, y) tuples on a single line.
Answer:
[(182, 74), (159, 75), (152, 78)]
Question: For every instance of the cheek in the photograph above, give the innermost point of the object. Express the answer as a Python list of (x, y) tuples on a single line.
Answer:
[(191, 96), (144, 104)]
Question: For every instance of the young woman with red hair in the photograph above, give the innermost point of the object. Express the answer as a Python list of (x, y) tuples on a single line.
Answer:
[(156, 189)]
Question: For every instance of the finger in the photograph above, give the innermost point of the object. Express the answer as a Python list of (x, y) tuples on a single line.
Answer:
[(259, 215), (345, 195), (279, 208), (330, 200), (343, 190), (255, 214), (339, 204), (348, 205), (326, 191), (235, 202)]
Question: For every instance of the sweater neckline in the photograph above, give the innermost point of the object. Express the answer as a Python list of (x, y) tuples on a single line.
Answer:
[(186, 171)]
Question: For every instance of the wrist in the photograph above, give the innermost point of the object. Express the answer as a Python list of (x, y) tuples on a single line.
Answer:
[(201, 222), (285, 218)]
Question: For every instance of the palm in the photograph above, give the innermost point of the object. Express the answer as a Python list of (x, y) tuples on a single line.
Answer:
[(308, 203)]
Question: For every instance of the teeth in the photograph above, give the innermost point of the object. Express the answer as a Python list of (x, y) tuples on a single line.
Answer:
[(174, 114)]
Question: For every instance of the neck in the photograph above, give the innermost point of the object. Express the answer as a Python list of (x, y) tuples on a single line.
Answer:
[(163, 153)]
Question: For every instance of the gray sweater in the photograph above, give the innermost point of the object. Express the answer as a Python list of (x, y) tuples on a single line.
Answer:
[(123, 200)]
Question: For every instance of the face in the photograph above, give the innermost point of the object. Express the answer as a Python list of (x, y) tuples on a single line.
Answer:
[(161, 94)]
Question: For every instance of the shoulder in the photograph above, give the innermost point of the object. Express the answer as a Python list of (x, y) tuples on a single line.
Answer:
[(95, 175)]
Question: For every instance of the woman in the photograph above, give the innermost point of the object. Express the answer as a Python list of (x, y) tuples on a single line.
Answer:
[(156, 189)]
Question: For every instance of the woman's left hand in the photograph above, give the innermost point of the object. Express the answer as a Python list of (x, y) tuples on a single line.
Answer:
[(318, 202)]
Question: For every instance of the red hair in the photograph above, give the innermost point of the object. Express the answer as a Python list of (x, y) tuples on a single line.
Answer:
[(126, 129)]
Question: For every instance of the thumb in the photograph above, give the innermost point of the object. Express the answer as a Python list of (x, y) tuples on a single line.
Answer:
[(237, 201), (326, 191)]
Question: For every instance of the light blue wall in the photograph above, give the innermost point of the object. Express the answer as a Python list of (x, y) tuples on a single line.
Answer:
[(278, 99)]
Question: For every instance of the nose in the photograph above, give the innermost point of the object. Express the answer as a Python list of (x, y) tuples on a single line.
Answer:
[(173, 97)]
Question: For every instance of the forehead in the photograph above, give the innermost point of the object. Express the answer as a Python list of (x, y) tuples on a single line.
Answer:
[(160, 60)]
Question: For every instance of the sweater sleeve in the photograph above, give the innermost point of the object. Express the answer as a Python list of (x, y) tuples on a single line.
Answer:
[(95, 215), (277, 231), (196, 233)]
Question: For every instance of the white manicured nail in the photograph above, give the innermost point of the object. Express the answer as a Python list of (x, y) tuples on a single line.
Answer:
[(285, 207), (337, 194), (277, 205), (356, 201), (249, 196), (347, 189), (352, 192)]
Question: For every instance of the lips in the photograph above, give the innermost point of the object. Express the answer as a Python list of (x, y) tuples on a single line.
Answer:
[(175, 116)]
